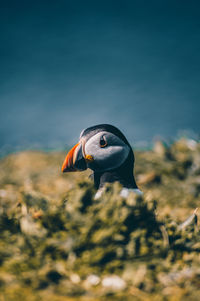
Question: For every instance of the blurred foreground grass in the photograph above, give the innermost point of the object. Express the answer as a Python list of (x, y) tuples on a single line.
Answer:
[(58, 243)]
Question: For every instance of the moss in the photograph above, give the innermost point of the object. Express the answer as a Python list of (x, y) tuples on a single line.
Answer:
[(54, 234)]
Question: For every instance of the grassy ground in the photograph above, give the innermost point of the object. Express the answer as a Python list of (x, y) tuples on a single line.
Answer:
[(58, 243)]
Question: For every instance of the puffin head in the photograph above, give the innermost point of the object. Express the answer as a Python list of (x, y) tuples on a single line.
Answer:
[(105, 150)]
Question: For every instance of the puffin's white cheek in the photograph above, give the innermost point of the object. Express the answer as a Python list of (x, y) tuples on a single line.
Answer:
[(112, 157), (108, 154), (108, 158), (92, 149)]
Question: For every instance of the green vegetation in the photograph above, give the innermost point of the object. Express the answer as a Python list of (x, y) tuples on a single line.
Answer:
[(58, 243)]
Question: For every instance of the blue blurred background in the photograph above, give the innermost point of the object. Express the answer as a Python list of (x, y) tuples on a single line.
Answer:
[(67, 65)]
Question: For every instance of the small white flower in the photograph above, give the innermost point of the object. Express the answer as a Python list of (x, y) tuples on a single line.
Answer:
[(114, 282), (75, 278), (93, 279)]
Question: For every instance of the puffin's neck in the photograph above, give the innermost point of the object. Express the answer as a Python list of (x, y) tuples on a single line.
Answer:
[(123, 174)]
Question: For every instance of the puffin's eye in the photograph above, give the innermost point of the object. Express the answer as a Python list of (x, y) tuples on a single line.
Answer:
[(103, 141)]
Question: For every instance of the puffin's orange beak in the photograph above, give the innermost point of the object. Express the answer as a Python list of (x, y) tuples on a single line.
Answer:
[(68, 164), (74, 160)]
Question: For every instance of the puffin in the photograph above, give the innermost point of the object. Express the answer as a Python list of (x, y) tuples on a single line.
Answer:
[(104, 149)]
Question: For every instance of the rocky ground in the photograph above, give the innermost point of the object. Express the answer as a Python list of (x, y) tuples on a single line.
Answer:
[(58, 243)]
